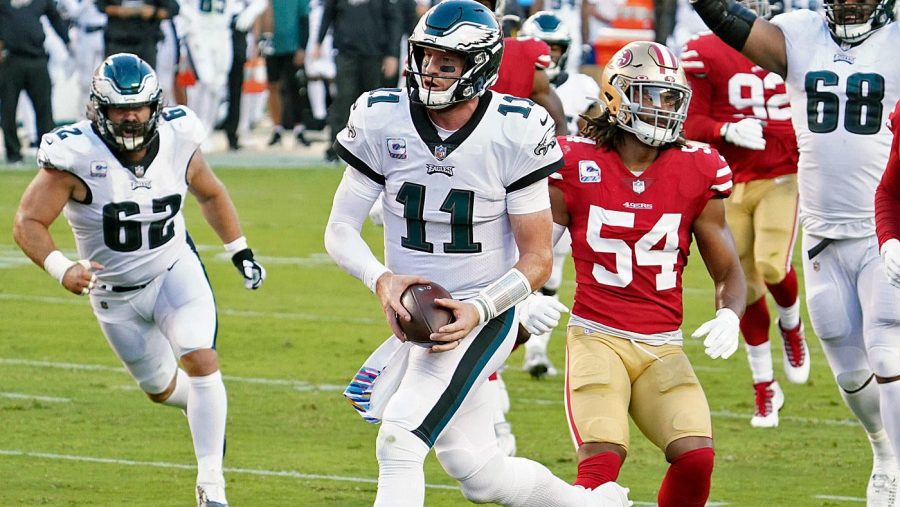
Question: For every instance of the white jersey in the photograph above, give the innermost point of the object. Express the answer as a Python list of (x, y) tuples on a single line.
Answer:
[(445, 201), (840, 101), (209, 17), (578, 92), (130, 224)]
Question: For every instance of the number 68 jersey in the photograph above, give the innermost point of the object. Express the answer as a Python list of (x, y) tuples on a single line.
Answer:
[(841, 97), (130, 221), (631, 235), (446, 199)]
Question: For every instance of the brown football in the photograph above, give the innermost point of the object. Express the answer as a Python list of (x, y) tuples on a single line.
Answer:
[(427, 317)]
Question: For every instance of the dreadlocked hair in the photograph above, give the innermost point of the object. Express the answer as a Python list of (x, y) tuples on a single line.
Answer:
[(602, 129)]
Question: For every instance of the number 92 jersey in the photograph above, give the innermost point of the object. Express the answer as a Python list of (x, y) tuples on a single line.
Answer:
[(840, 101), (446, 200), (631, 235), (131, 225)]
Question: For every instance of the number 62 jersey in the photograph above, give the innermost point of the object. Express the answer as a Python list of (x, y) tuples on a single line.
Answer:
[(446, 198), (131, 220), (841, 97)]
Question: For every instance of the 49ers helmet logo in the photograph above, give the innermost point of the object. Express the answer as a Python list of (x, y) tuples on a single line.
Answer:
[(624, 58)]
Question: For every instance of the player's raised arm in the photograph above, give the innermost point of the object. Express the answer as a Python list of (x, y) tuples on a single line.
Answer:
[(740, 28)]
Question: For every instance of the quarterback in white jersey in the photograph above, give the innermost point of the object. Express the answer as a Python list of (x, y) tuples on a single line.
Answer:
[(841, 89), (464, 175), (121, 179)]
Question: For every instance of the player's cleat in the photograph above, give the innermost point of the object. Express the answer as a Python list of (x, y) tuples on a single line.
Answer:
[(769, 400), (538, 364), (882, 490), (610, 494), (211, 496), (301, 140), (505, 438), (796, 354), (276, 139)]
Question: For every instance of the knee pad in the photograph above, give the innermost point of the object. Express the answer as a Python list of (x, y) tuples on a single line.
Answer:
[(853, 381), (396, 445), (884, 361), (460, 463), (488, 483)]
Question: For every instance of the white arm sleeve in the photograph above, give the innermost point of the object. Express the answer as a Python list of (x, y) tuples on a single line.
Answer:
[(531, 199), (351, 205)]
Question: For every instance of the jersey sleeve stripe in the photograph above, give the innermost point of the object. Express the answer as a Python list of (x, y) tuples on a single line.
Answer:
[(723, 187), (725, 171), (535, 176), (357, 164)]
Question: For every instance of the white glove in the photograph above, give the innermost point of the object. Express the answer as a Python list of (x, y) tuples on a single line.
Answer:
[(747, 133), (539, 314), (721, 334), (890, 258)]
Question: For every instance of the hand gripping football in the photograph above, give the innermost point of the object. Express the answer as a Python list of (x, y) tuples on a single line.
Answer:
[(427, 317)]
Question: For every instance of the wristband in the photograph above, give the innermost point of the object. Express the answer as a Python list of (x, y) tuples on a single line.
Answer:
[(509, 290), (56, 264), (236, 245)]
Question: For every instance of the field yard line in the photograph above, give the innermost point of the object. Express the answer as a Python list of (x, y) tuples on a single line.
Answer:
[(312, 317), (235, 470), (297, 384), (303, 385), (841, 498), (23, 396)]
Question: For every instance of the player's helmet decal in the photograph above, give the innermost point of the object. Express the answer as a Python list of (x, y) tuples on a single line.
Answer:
[(854, 22), (461, 26), (646, 92), (548, 27), (124, 80)]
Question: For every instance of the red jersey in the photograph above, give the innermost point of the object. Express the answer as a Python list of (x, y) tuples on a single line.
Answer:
[(631, 235), (727, 87), (520, 57), (887, 195)]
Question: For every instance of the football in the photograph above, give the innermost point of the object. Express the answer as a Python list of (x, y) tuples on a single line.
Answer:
[(427, 317)]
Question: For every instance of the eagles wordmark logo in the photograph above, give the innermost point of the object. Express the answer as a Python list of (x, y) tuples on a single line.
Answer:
[(446, 170), (136, 184)]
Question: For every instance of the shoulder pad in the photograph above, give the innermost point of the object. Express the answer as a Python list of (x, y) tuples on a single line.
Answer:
[(61, 147), (184, 122), (377, 109)]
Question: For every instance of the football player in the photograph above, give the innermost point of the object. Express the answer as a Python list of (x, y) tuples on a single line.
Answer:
[(742, 110), (841, 88), (887, 205), (121, 178), (463, 172), (633, 194)]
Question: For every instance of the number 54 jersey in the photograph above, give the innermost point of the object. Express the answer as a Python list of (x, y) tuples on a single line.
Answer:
[(446, 199), (841, 97), (131, 220), (631, 235)]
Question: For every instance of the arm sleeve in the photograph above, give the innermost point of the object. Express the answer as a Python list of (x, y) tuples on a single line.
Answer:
[(343, 242), (887, 195)]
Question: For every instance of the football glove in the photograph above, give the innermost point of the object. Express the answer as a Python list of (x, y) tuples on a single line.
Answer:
[(721, 334), (539, 314), (253, 272), (890, 258), (747, 133)]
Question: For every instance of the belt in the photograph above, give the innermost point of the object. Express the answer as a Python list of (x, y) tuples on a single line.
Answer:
[(91, 29), (122, 288), (817, 249)]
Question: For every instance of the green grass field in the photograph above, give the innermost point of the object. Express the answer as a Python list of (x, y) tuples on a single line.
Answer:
[(75, 430)]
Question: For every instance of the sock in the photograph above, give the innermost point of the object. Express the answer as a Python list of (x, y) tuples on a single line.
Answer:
[(760, 359), (206, 411), (179, 396), (882, 454), (787, 300), (889, 395), (598, 469), (755, 322), (687, 481)]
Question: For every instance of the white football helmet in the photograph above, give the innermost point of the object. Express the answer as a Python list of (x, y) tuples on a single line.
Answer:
[(646, 92), (548, 27)]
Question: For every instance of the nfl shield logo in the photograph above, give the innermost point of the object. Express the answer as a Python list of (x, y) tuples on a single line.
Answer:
[(638, 186), (440, 152)]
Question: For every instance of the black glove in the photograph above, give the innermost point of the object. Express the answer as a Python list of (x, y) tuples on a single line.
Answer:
[(254, 274)]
